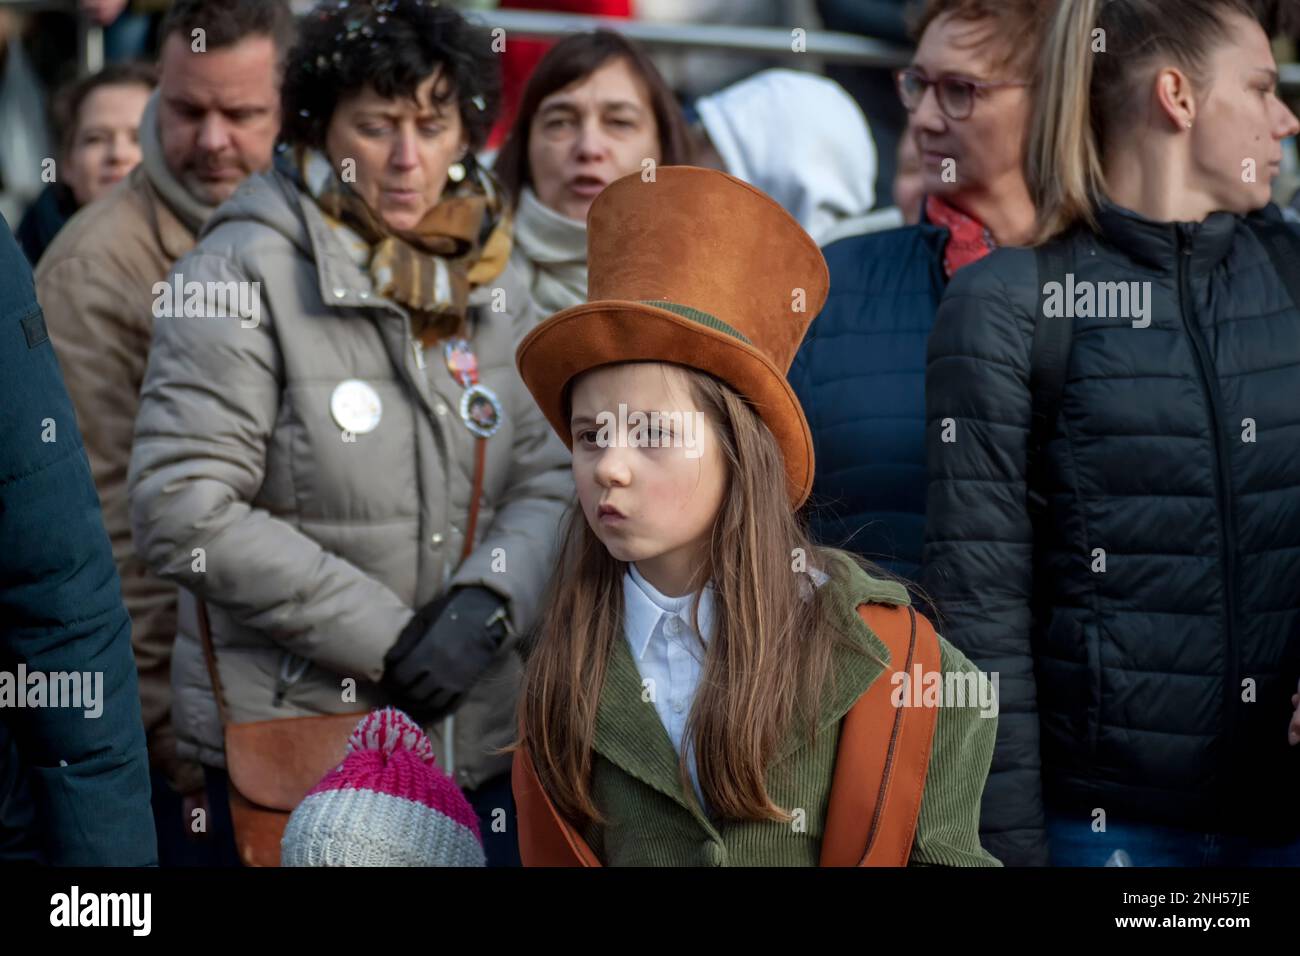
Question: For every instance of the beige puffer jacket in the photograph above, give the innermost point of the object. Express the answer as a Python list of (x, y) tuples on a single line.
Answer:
[(312, 550)]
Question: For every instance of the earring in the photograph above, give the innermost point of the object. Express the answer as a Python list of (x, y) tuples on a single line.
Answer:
[(1189, 124), (456, 172)]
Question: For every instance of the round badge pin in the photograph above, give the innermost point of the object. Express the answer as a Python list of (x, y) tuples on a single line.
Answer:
[(355, 406), (481, 411)]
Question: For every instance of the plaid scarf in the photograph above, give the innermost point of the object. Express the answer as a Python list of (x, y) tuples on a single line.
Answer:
[(462, 242)]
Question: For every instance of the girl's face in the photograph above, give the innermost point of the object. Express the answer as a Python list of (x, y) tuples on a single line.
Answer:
[(1237, 137), (651, 505)]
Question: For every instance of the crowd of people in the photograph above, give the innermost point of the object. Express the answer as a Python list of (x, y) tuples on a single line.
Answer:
[(334, 508)]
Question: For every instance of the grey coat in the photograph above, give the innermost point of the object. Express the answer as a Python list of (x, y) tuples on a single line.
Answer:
[(311, 549)]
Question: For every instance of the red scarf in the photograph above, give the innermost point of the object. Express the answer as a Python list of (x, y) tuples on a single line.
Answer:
[(969, 240)]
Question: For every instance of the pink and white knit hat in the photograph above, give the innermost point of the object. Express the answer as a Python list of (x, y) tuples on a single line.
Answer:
[(386, 804)]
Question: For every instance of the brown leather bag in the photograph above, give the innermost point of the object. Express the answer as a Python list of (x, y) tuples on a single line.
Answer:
[(879, 778), (273, 764)]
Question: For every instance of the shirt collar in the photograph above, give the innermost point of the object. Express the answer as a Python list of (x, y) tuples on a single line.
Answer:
[(644, 605)]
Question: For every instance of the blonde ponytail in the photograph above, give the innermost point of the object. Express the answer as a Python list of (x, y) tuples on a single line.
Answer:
[(1096, 58), (1063, 159)]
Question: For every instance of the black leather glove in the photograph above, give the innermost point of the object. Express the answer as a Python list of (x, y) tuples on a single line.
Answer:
[(444, 650)]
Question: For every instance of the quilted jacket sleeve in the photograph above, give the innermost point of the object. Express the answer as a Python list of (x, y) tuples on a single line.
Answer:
[(208, 407), (978, 554)]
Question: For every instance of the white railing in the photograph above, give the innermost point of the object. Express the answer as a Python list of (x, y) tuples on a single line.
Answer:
[(792, 43)]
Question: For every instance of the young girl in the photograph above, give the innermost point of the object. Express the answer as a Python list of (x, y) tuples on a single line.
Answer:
[(704, 687)]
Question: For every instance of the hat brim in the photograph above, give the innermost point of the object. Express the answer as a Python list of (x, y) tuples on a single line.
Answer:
[(612, 331)]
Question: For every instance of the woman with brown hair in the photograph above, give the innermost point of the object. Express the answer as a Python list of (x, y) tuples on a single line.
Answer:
[(594, 110), (99, 119), (1113, 515)]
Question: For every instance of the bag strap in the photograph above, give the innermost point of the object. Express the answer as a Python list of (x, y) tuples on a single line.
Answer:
[(1048, 361), (1281, 240), (209, 655), (879, 782), (545, 837), (475, 496)]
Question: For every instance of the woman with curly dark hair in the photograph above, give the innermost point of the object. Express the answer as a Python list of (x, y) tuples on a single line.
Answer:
[(374, 493)]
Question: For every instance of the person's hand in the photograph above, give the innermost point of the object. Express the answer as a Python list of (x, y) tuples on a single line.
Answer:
[(1293, 732), (443, 651), (103, 12)]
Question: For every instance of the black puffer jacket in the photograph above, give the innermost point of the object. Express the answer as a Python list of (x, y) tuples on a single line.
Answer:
[(1158, 689)]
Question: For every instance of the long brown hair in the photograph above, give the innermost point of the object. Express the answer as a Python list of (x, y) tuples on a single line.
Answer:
[(1085, 95), (766, 666), (573, 59)]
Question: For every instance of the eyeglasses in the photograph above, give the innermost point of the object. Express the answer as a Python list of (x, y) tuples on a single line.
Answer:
[(956, 96)]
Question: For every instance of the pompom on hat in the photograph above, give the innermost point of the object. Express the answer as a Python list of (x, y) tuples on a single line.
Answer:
[(699, 269), (386, 804)]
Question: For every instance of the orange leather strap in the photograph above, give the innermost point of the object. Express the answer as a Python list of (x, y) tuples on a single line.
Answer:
[(545, 838), (884, 752), (475, 496)]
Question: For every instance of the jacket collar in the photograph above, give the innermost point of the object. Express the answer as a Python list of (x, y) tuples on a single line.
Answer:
[(1157, 245), (630, 735), (339, 260)]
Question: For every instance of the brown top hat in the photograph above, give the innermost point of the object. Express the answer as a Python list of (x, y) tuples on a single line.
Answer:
[(698, 269)]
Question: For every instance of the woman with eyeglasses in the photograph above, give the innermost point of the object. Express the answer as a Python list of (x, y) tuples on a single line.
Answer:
[(860, 371), (1124, 547)]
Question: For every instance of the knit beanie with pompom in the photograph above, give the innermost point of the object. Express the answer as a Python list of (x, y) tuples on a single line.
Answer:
[(386, 804)]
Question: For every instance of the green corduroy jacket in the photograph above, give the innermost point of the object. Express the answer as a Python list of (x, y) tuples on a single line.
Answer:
[(653, 820)]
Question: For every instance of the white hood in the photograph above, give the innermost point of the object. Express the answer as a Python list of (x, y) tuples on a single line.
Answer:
[(801, 139)]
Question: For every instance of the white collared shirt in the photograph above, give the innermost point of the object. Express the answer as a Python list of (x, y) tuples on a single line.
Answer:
[(668, 651)]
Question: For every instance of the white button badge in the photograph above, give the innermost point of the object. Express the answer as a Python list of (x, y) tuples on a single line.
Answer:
[(356, 407)]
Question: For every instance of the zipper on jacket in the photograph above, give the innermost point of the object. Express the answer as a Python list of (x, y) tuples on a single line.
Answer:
[(1222, 492), (288, 678)]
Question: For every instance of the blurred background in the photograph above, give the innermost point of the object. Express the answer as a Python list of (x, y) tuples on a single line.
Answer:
[(701, 47)]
